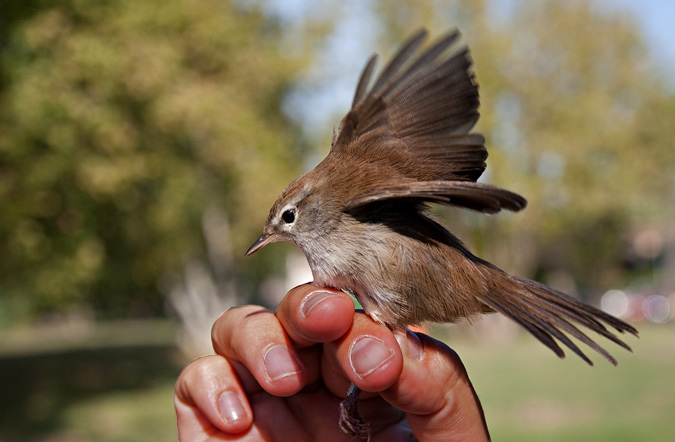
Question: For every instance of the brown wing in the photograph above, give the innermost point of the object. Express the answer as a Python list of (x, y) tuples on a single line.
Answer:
[(415, 121), (476, 196)]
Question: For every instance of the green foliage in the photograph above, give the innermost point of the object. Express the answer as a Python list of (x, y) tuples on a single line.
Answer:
[(121, 122), (567, 97)]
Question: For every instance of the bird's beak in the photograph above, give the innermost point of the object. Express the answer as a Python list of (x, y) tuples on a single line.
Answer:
[(261, 242)]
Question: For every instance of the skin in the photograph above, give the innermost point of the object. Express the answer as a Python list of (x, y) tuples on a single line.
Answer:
[(280, 376)]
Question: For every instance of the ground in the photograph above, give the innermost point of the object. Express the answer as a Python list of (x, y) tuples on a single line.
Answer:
[(112, 386)]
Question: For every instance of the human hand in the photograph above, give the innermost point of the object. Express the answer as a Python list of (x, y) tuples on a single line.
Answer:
[(281, 376)]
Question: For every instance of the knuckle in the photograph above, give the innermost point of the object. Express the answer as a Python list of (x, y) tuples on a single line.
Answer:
[(234, 325), (193, 376)]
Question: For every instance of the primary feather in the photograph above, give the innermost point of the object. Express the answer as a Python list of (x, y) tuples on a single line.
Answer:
[(413, 124)]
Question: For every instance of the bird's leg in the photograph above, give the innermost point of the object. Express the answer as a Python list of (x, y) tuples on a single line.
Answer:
[(351, 421)]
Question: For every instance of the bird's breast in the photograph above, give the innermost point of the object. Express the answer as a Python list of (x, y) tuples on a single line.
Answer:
[(399, 280)]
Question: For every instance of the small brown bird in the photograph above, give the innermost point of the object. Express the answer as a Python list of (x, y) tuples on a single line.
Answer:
[(360, 216)]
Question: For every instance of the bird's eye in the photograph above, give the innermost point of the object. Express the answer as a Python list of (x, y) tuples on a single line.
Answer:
[(288, 216)]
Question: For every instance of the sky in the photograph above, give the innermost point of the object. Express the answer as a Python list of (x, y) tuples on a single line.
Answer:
[(326, 89), (656, 19)]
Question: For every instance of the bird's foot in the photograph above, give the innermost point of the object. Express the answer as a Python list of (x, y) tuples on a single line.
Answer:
[(351, 421)]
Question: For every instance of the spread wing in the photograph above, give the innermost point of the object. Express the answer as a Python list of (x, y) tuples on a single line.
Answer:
[(414, 121), (467, 194)]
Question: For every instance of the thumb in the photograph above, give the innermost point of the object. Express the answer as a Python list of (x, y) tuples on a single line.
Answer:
[(435, 392)]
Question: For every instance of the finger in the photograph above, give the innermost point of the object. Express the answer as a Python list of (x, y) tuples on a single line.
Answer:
[(368, 356), (435, 392), (252, 336), (209, 399), (311, 314)]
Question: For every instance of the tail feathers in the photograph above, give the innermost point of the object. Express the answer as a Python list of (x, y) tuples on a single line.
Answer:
[(549, 315)]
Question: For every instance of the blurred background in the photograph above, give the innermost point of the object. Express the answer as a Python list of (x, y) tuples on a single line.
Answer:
[(143, 143)]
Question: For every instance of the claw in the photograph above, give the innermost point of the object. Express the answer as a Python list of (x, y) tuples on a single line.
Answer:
[(351, 421)]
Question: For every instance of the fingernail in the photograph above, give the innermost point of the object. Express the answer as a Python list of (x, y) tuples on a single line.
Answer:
[(231, 408), (410, 344), (315, 299), (368, 354), (279, 363)]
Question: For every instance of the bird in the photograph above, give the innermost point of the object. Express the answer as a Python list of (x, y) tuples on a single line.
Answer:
[(362, 218)]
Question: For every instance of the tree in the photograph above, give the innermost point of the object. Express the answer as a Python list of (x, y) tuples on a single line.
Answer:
[(573, 87), (121, 124)]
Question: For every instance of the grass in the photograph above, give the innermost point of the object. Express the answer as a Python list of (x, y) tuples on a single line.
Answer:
[(125, 416), (108, 383), (115, 393), (529, 394)]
